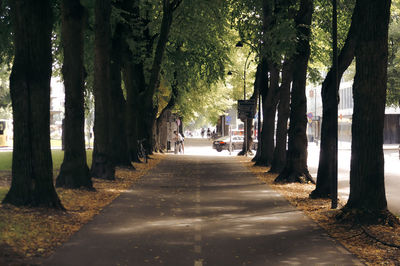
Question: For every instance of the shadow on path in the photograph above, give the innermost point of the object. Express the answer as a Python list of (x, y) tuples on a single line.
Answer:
[(199, 210)]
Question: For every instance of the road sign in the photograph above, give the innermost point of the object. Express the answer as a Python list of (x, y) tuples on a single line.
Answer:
[(228, 120), (246, 109)]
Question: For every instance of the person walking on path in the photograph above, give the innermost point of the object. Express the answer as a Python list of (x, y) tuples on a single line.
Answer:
[(179, 145)]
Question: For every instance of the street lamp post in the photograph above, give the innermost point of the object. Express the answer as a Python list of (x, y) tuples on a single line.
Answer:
[(246, 66), (246, 133)]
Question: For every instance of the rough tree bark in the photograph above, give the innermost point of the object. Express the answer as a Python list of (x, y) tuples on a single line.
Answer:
[(367, 199), (162, 119), (147, 113), (74, 171), (117, 108), (132, 74), (263, 86), (269, 112), (32, 170), (257, 84), (296, 169), (129, 73), (248, 134), (262, 75), (279, 157), (102, 164), (328, 92)]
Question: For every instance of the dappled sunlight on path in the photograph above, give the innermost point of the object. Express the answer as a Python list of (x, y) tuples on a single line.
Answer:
[(201, 210)]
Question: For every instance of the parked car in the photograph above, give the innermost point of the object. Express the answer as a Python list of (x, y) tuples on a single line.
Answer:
[(237, 143)]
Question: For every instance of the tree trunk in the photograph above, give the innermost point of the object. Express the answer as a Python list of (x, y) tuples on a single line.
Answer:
[(367, 187), (279, 158), (32, 169), (74, 171), (269, 111), (329, 117), (117, 107), (129, 71), (102, 164), (258, 86), (133, 76), (296, 169), (262, 83), (162, 120), (147, 112), (248, 133)]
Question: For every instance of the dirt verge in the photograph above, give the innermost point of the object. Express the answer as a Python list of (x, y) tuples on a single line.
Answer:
[(373, 244), (29, 234)]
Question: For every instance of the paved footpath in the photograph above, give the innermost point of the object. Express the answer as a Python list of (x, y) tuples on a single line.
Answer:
[(201, 210)]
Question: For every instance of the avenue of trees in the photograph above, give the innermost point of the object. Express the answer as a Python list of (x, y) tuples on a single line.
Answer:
[(141, 59)]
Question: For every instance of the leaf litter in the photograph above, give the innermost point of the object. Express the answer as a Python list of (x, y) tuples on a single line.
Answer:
[(28, 234), (365, 241)]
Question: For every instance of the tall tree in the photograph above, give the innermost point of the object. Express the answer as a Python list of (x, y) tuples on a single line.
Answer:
[(117, 110), (32, 170), (367, 199), (102, 163), (329, 92), (261, 81), (296, 169), (74, 172), (279, 157), (270, 101), (265, 146), (133, 32), (147, 109), (196, 53)]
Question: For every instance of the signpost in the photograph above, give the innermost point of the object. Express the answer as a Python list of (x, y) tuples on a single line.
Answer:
[(246, 109), (228, 120)]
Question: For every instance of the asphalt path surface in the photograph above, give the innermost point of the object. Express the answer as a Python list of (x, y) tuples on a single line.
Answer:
[(201, 210)]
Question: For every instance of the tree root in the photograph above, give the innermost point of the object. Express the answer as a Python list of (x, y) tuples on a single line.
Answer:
[(367, 217), (262, 163), (294, 177), (319, 195), (383, 242), (362, 218)]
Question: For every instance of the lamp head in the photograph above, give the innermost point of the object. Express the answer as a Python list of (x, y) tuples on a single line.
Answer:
[(239, 44)]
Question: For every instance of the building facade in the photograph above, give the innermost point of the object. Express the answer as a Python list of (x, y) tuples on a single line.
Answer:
[(345, 114)]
